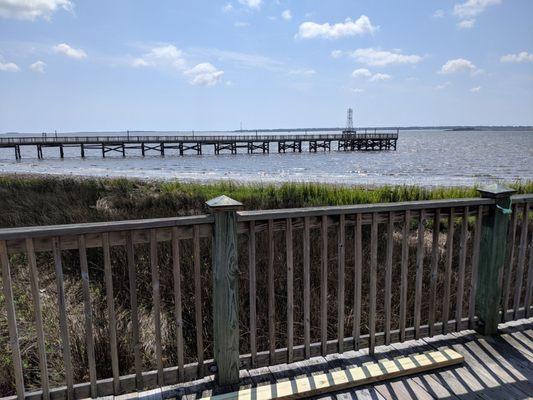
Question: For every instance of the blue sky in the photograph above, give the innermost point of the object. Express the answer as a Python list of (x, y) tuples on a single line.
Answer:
[(72, 65)]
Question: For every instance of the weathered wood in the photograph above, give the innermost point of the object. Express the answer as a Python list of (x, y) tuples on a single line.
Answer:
[(510, 258), (176, 274), (462, 265), (89, 338), (403, 272), (358, 277), (373, 277), (529, 283), (324, 284), (271, 292), (253, 292), (475, 267), (225, 293), (11, 320), (433, 274), (36, 296), (307, 287), (111, 313), (419, 273), (521, 259), (156, 301), (388, 277), (198, 319), (290, 290), (341, 280), (448, 271)]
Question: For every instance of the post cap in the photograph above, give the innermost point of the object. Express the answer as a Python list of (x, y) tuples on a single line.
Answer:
[(495, 191), (224, 203)]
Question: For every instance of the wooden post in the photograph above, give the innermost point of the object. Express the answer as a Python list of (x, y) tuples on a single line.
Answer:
[(225, 285), (491, 258)]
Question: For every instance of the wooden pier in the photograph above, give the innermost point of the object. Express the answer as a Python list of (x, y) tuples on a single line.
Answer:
[(182, 145)]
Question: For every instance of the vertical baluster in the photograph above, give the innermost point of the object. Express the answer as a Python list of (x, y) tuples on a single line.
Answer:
[(88, 314), (11, 319), (156, 299), (419, 273), (388, 276), (63, 324), (111, 312), (340, 282), (448, 272), (475, 265), (508, 270), (307, 288), (271, 293), (253, 294), (433, 275), (529, 283), (176, 272), (461, 272), (34, 281), (132, 277), (290, 291), (521, 260), (373, 274), (324, 285), (358, 272), (198, 299), (403, 272)]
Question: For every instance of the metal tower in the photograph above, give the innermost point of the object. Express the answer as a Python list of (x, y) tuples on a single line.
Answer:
[(349, 120)]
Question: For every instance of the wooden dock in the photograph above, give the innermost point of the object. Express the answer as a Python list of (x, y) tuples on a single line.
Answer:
[(223, 144)]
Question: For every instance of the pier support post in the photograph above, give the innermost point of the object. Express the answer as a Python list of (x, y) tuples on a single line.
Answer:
[(61, 152), (39, 151), (225, 294), (142, 149), (162, 148), (492, 257), (17, 153), (123, 150), (82, 150)]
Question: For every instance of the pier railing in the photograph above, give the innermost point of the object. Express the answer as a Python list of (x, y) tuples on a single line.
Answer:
[(108, 308)]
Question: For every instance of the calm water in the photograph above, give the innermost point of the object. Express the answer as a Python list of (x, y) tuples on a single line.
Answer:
[(427, 158)]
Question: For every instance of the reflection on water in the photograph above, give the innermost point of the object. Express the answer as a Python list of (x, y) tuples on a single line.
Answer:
[(425, 158)]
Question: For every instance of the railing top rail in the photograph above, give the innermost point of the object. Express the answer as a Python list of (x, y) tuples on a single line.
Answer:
[(101, 227), (522, 198)]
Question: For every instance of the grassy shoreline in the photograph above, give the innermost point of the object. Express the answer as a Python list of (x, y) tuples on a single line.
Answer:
[(45, 200)]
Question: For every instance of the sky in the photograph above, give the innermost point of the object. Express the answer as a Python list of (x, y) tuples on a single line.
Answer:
[(101, 65)]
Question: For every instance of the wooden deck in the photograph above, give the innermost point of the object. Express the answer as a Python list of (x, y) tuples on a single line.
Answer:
[(498, 367)]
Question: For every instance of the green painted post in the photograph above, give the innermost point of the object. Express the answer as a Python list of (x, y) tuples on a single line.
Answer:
[(225, 294), (492, 257)]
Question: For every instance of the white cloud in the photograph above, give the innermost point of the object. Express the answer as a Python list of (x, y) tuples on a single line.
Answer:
[(161, 56), (438, 14), (38, 66), (380, 58), (227, 7), (71, 52), (254, 4), (241, 24), (286, 15), (361, 72), (357, 90), (466, 23), (472, 8), (443, 86), (302, 72), (475, 89), (336, 53), (9, 67), (359, 27), (242, 60), (380, 77), (458, 65), (32, 9), (523, 56), (140, 62), (204, 74)]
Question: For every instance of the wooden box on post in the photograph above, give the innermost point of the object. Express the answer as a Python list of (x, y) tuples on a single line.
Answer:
[(225, 285), (492, 258)]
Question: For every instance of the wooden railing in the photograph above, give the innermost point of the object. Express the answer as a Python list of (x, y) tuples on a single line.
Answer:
[(107, 308)]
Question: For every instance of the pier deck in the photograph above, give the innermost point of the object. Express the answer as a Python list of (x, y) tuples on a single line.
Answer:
[(228, 144)]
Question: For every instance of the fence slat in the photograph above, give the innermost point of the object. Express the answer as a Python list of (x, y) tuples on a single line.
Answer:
[(176, 272), (340, 281), (521, 260), (253, 294), (461, 272), (307, 287), (324, 285), (388, 277), (404, 271), (271, 293), (475, 266), (433, 274), (448, 272), (419, 273), (156, 300), (11, 320), (132, 278), (358, 276), (63, 324), (529, 283), (290, 291), (89, 338), (509, 264), (198, 319), (111, 312), (373, 274), (36, 296)]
